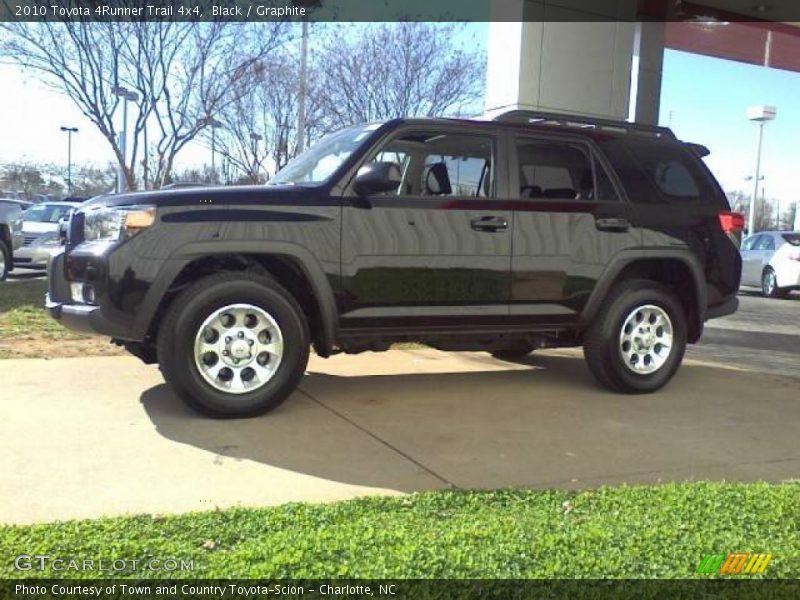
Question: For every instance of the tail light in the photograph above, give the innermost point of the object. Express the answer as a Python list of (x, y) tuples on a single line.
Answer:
[(731, 222)]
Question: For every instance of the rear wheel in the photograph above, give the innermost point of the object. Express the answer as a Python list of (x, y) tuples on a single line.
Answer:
[(5, 260), (638, 339), (769, 284), (234, 345)]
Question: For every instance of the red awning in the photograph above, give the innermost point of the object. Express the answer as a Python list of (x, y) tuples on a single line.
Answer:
[(774, 45)]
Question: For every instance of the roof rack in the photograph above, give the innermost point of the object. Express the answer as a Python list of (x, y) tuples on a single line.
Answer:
[(582, 122)]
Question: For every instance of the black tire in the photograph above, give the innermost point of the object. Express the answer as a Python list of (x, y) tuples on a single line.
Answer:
[(601, 344), (177, 332), (513, 352), (770, 289), (5, 260)]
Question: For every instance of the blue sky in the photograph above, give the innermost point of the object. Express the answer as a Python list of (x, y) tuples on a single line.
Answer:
[(706, 97)]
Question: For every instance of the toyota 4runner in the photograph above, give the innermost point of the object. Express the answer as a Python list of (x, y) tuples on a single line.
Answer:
[(533, 230)]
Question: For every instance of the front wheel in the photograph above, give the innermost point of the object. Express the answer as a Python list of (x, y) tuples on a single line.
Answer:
[(637, 341), (234, 345)]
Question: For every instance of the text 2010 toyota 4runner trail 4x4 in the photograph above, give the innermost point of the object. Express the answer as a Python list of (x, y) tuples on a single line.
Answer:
[(533, 230)]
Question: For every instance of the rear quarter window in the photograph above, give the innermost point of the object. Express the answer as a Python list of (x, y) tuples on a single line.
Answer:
[(792, 238), (654, 171)]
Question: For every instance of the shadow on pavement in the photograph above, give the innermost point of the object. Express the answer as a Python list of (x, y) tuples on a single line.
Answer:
[(547, 426)]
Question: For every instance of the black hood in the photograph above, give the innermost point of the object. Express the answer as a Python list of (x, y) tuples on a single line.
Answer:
[(201, 196)]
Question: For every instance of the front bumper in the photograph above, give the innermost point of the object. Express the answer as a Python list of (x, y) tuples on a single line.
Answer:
[(86, 318)]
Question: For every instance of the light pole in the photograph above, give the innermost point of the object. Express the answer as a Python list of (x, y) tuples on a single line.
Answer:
[(307, 5), (69, 131), (214, 124), (759, 115), (126, 95), (256, 137)]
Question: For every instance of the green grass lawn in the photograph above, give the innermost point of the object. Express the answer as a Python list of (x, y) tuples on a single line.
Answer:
[(28, 331), (660, 531), (22, 311)]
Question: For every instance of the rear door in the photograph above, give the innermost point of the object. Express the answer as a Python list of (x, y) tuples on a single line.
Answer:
[(569, 221), (437, 250)]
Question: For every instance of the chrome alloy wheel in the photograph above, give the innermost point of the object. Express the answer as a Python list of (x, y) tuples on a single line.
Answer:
[(645, 341), (2, 262), (238, 348)]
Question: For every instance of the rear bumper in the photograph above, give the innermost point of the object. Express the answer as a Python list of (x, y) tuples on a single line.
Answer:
[(728, 307)]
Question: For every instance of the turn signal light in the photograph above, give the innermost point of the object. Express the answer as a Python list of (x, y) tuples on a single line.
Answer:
[(731, 222), (137, 220)]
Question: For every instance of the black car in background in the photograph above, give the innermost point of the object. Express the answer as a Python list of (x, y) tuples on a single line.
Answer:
[(530, 231)]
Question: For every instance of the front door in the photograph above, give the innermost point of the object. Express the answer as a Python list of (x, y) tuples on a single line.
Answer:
[(438, 249)]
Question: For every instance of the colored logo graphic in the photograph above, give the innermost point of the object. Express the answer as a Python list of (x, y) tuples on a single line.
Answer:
[(735, 563)]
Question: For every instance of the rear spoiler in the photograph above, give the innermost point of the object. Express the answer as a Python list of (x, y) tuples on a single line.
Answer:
[(699, 149)]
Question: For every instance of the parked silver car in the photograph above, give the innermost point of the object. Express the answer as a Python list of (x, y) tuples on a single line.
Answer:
[(771, 261), (39, 228)]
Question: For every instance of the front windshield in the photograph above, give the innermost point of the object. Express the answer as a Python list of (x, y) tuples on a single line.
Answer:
[(322, 160), (46, 213)]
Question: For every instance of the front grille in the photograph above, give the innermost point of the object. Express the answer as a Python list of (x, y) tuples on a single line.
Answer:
[(29, 239)]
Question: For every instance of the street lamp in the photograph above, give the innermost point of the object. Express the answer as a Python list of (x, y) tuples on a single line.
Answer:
[(760, 115), (69, 131), (126, 95)]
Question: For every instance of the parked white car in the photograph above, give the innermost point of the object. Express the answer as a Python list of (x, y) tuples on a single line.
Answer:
[(771, 261), (39, 228)]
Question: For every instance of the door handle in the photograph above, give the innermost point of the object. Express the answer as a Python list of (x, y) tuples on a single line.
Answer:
[(489, 224), (618, 224)]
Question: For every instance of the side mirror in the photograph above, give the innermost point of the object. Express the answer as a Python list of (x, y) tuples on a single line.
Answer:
[(376, 178)]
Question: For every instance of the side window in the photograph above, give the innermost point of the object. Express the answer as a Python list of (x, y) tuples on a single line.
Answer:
[(674, 179), (559, 170), (765, 242), (442, 164), (672, 169), (749, 243)]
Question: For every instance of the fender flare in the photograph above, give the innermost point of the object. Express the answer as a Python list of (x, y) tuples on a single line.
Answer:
[(631, 255), (195, 250)]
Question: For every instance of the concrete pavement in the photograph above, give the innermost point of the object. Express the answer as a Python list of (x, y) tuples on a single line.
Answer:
[(106, 436)]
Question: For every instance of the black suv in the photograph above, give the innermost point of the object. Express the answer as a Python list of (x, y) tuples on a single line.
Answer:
[(533, 230)]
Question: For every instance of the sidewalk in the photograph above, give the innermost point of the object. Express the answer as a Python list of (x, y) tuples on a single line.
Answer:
[(89, 437)]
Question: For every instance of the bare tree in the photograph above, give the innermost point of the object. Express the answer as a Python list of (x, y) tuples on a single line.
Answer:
[(182, 72), (29, 178), (764, 218), (258, 133), (397, 69)]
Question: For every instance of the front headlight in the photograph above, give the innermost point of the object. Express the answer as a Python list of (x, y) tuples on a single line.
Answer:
[(113, 223)]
